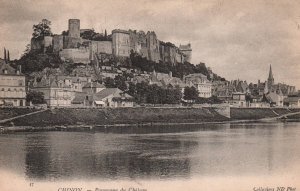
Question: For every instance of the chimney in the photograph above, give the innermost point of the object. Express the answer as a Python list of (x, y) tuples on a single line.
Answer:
[(5, 55), (18, 69)]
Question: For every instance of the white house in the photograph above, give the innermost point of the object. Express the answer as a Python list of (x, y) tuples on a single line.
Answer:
[(201, 83), (12, 86)]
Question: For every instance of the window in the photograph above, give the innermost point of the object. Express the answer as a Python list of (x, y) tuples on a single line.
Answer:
[(20, 82)]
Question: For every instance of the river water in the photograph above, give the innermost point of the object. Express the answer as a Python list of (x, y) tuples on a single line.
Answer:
[(154, 153)]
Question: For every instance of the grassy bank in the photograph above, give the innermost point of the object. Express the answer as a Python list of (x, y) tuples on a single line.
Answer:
[(294, 117), (142, 115), (6, 113), (65, 116), (258, 113)]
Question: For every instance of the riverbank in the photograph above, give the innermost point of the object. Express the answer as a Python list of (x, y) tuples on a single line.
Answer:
[(110, 116), (259, 113), (6, 113), (65, 119)]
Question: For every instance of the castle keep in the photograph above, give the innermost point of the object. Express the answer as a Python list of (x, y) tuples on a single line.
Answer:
[(72, 47)]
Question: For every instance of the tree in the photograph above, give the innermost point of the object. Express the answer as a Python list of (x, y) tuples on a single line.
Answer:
[(5, 55), (173, 96), (42, 29), (109, 82), (32, 62), (27, 50), (35, 97), (190, 93), (105, 35), (120, 83), (8, 57), (248, 98)]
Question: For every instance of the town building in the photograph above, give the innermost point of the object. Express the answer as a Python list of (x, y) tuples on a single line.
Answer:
[(201, 83), (108, 97), (292, 101), (57, 92), (92, 87), (238, 99), (12, 86)]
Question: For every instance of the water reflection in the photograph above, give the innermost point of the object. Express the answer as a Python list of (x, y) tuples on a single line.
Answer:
[(200, 150), (98, 156), (37, 157)]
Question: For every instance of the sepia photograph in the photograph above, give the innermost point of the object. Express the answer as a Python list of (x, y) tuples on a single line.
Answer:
[(149, 95)]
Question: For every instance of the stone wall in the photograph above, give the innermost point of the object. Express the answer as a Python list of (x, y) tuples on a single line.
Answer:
[(121, 43), (101, 47), (81, 55), (71, 42), (153, 47), (36, 44), (74, 28), (41, 43), (223, 110), (134, 44), (179, 57), (187, 51), (58, 43)]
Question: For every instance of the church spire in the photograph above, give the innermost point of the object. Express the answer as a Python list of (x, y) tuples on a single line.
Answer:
[(270, 73), (270, 79)]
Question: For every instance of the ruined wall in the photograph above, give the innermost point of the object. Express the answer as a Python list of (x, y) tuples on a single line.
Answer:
[(134, 41), (101, 47), (179, 56), (58, 43), (36, 44), (121, 43), (48, 41), (81, 55), (71, 42), (162, 51), (187, 51), (153, 47), (142, 40), (41, 43), (169, 53), (74, 28)]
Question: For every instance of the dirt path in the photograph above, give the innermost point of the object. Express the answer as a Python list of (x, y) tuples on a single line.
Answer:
[(19, 116)]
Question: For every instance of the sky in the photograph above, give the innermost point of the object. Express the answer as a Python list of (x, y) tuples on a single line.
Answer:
[(238, 39)]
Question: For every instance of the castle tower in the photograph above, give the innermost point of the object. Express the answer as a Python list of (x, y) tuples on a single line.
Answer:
[(187, 51), (121, 43), (270, 79), (152, 46), (74, 28)]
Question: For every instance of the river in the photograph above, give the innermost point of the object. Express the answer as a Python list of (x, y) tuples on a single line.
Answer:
[(175, 153)]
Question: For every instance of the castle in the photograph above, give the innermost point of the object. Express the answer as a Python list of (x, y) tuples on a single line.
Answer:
[(72, 47)]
